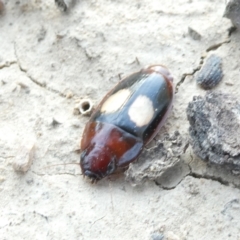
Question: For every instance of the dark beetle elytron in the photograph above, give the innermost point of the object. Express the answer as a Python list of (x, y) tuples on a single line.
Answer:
[(127, 118)]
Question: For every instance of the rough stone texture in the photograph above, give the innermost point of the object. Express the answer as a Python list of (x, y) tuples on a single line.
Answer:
[(215, 129), (210, 74), (232, 12), (163, 156)]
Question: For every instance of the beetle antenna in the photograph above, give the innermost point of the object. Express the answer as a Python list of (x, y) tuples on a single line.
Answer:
[(60, 164)]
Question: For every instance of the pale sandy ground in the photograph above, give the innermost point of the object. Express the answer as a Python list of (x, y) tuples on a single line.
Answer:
[(48, 61)]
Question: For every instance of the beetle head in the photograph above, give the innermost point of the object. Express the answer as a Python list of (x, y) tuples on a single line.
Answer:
[(97, 162)]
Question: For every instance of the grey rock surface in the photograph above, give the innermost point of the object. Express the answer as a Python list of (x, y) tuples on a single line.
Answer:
[(163, 156), (215, 129), (232, 12)]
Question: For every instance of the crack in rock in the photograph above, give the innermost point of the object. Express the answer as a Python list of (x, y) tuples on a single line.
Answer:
[(7, 64), (184, 75), (217, 45), (208, 177), (197, 176), (202, 58), (42, 85)]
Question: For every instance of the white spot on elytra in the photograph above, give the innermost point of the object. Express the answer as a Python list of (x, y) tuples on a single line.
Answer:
[(141, 111), (115, 101)]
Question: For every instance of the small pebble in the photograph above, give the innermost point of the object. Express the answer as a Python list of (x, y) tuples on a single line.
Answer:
[(69, 94), (76, 110), (24, 156), (229, 83), (22, 85), (56, 121), (211, 73), (194, 34)]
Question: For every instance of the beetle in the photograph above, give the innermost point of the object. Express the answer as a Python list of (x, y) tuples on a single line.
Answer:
[(126, 120)]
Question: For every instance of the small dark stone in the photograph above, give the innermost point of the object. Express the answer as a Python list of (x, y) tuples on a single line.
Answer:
[(194, 34), (61, 5), (211, 73), (215, 129), (55, 122)]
